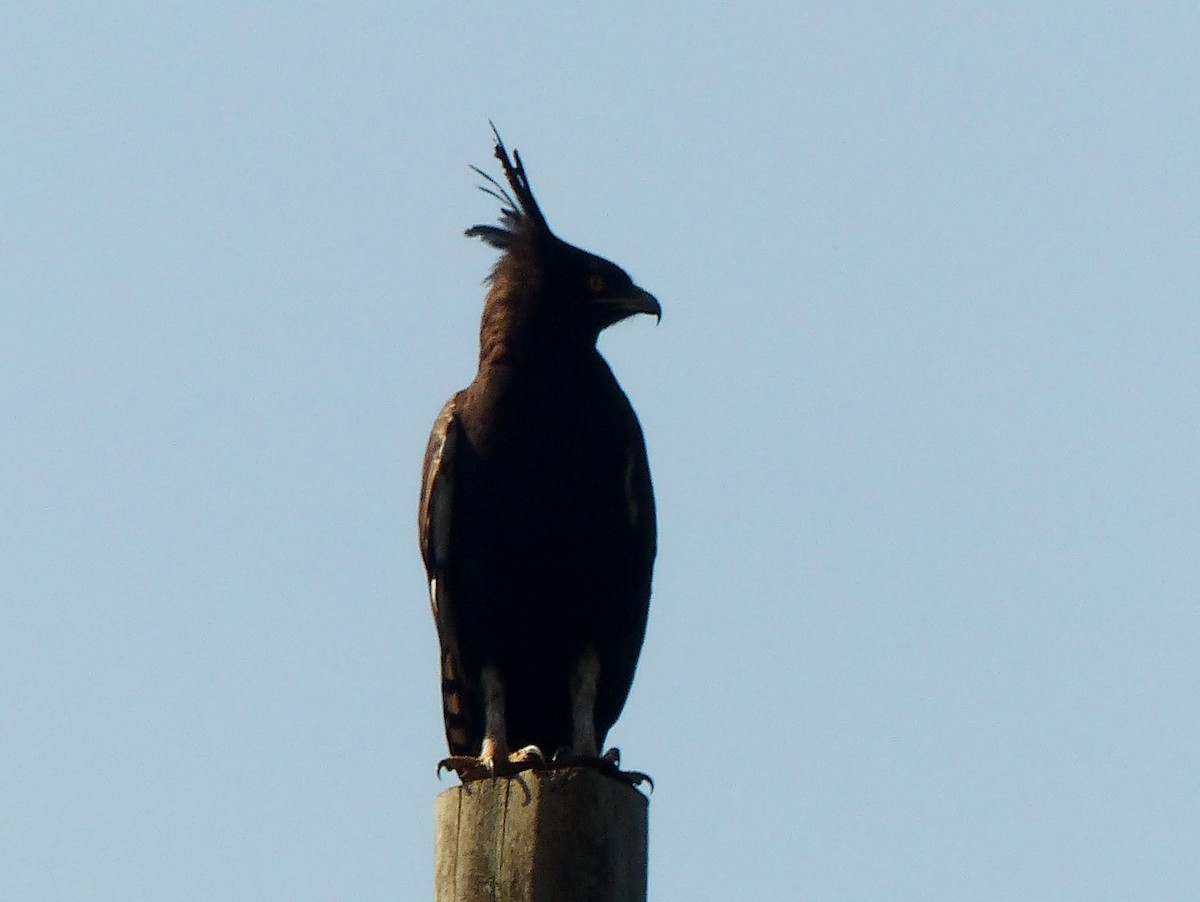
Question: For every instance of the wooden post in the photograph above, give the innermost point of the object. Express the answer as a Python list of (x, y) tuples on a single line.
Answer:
[(571, 835)]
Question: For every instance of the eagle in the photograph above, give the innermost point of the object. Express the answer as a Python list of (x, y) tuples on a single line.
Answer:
[(536, 520)]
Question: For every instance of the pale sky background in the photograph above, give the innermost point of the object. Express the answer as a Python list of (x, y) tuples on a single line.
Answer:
[(922, 414)]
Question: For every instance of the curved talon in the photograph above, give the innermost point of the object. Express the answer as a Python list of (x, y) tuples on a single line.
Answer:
[(637, 778), (457, 763), (465, 767), (469, 768), (608, 764), (531, 755)]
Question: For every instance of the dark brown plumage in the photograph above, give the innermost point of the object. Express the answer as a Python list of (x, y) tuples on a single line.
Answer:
[(537, 518)]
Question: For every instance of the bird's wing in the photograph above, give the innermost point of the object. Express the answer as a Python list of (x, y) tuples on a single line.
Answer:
[(437, 487), (434, 518), (640, 493), (642, 548)]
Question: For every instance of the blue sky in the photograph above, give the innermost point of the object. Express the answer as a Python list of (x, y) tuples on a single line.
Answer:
[(921, 413)]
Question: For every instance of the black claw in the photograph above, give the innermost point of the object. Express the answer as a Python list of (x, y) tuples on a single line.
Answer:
[(608, 764), (637, 778), (532, 752)]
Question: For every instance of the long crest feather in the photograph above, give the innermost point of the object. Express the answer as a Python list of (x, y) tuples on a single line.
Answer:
[(518, 217)]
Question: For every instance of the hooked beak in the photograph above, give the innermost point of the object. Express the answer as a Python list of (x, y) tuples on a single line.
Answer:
[(636, 301)]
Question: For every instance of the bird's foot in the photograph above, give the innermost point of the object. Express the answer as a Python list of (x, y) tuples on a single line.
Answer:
[(608, 764), (469, 767)]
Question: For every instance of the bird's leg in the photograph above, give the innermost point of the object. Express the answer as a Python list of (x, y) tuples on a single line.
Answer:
[(584, 751), (633, 777), (495, 754), (585, 683), (584, 687), (495, 731), (494, 758)]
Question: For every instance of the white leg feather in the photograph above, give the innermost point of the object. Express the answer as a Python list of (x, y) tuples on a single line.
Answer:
[(585, 683), (495, 730)]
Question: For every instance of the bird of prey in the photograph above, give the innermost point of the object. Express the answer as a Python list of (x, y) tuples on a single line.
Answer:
[(536, 519)]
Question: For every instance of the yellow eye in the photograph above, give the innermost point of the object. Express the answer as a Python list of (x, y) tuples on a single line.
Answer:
[(596, 283)]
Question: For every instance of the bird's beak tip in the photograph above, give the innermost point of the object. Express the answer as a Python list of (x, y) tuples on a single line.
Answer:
[(648, 303), (637, 300)]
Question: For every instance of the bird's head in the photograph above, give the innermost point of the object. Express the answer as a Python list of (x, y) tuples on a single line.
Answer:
[(541, 278)]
